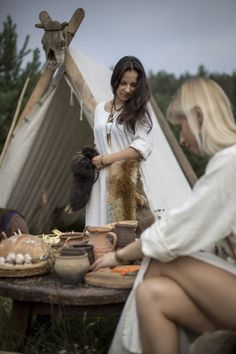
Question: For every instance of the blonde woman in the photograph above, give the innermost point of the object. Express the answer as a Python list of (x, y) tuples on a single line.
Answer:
[(188, 278)]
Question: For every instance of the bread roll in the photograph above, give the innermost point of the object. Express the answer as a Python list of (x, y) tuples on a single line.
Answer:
[(24, 244)]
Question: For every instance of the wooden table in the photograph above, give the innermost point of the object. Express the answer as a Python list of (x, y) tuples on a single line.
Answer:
[(46, 295)]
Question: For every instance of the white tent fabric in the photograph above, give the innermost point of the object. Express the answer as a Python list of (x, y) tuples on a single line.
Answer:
[(18, 150), (168, 185), (36, 168)]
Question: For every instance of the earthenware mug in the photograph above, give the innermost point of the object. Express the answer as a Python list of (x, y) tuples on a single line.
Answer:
[(71, 269), (102, 238), (125, 231)]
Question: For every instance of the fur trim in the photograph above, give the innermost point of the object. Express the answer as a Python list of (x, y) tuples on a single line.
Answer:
[(126, 197), (84, 176)]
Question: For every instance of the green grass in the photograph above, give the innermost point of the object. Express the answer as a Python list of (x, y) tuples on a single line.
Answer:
[(61, 335)]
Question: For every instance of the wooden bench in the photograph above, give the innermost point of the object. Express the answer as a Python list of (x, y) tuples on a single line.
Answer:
[(45, 295)]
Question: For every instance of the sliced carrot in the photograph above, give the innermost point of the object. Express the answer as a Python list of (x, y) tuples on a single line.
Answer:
[(126, 269)]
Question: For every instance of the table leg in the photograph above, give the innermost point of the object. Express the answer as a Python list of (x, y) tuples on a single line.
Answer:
[(19, 322)]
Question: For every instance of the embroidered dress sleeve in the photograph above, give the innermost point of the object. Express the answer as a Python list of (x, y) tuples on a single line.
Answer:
[(206, 217), (143, 140)]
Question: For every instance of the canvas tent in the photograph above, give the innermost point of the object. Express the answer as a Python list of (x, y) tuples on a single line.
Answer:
[(35, 171)]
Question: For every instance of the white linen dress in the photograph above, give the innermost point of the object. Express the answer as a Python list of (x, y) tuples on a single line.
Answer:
[(195, 229), (142, 141)]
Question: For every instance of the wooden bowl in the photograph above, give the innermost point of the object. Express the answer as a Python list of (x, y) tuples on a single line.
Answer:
[(70, 239)]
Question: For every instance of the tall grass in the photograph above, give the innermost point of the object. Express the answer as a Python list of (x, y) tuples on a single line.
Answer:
[(61, 335), (5, 308)]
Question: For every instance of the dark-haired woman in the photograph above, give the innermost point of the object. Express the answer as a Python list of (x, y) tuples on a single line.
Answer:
[(122, 131)]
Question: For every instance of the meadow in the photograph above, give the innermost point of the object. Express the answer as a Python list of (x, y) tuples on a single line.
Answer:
[(60, 335)]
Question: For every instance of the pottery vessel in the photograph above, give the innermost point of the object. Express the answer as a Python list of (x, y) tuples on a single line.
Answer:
[(71, 269), (125, 231), (87, 248), (102, 238), (70, 239)]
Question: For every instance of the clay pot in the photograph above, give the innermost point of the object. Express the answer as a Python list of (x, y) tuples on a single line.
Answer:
[(102, 239), (75, 238), (125, 231), (71, 269), (87, 248), (71, 251)]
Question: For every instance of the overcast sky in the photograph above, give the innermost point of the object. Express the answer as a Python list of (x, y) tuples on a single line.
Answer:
[(171, 35)]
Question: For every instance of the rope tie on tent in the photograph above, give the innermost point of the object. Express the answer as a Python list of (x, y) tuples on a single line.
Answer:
[(71, 97), (72, 92), (81, 110)]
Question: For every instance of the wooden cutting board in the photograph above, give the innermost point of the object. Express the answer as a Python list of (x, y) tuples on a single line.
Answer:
[(109, 279)]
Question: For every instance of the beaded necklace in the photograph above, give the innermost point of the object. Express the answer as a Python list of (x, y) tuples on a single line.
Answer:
[(111, 119)]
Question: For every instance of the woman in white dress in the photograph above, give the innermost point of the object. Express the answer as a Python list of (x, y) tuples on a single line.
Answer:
[(122, 131), (188, 277)]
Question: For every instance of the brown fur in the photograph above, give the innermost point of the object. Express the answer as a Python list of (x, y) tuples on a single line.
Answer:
[(126, 196)]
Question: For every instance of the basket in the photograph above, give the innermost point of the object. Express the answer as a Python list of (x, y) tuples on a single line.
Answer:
[(25, 270)]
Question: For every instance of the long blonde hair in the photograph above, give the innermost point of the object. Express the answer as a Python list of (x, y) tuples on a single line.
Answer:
[(218, 129)]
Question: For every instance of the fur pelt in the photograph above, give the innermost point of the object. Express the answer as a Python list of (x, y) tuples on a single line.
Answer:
[(219, 342), (84, 176), (126, 197)]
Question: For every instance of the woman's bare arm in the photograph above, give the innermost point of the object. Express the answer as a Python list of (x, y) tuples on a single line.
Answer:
[(124, 255)]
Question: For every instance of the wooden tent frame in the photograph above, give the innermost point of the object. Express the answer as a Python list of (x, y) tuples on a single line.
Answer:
[(78, 83), (43, 82)]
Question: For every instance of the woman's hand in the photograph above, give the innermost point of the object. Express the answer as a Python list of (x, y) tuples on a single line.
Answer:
[(101, 161), (107, 260), (129, 253), (98, 162)]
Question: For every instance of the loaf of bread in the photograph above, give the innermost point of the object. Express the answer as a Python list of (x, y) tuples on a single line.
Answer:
[(24, 244)]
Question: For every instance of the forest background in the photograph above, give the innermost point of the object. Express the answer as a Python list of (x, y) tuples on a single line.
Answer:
[(14, 70)]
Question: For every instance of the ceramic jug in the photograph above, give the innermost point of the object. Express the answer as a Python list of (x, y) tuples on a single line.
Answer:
[(102, 238)]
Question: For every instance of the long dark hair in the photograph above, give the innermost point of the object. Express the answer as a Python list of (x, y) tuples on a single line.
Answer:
[(135, 110)]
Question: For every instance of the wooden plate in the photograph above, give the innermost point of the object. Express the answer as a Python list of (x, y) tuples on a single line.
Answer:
[(109, 279)]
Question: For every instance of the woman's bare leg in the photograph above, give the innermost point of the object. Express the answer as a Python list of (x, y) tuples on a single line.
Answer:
[(188, 292), (211, 288), (161, 303)]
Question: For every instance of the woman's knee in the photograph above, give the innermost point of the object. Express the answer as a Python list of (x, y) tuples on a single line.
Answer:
[(155, 289)]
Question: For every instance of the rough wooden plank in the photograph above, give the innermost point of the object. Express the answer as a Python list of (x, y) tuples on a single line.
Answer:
[(48, 72), (74, 24), (110, 280), (46, 295), (48, 289), (20, 320)]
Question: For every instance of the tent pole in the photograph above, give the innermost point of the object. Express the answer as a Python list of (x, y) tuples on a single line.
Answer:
[(48, 72), (14, 121), (183, 161)]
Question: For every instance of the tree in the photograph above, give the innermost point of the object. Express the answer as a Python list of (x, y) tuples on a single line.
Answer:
[(13, 73)]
